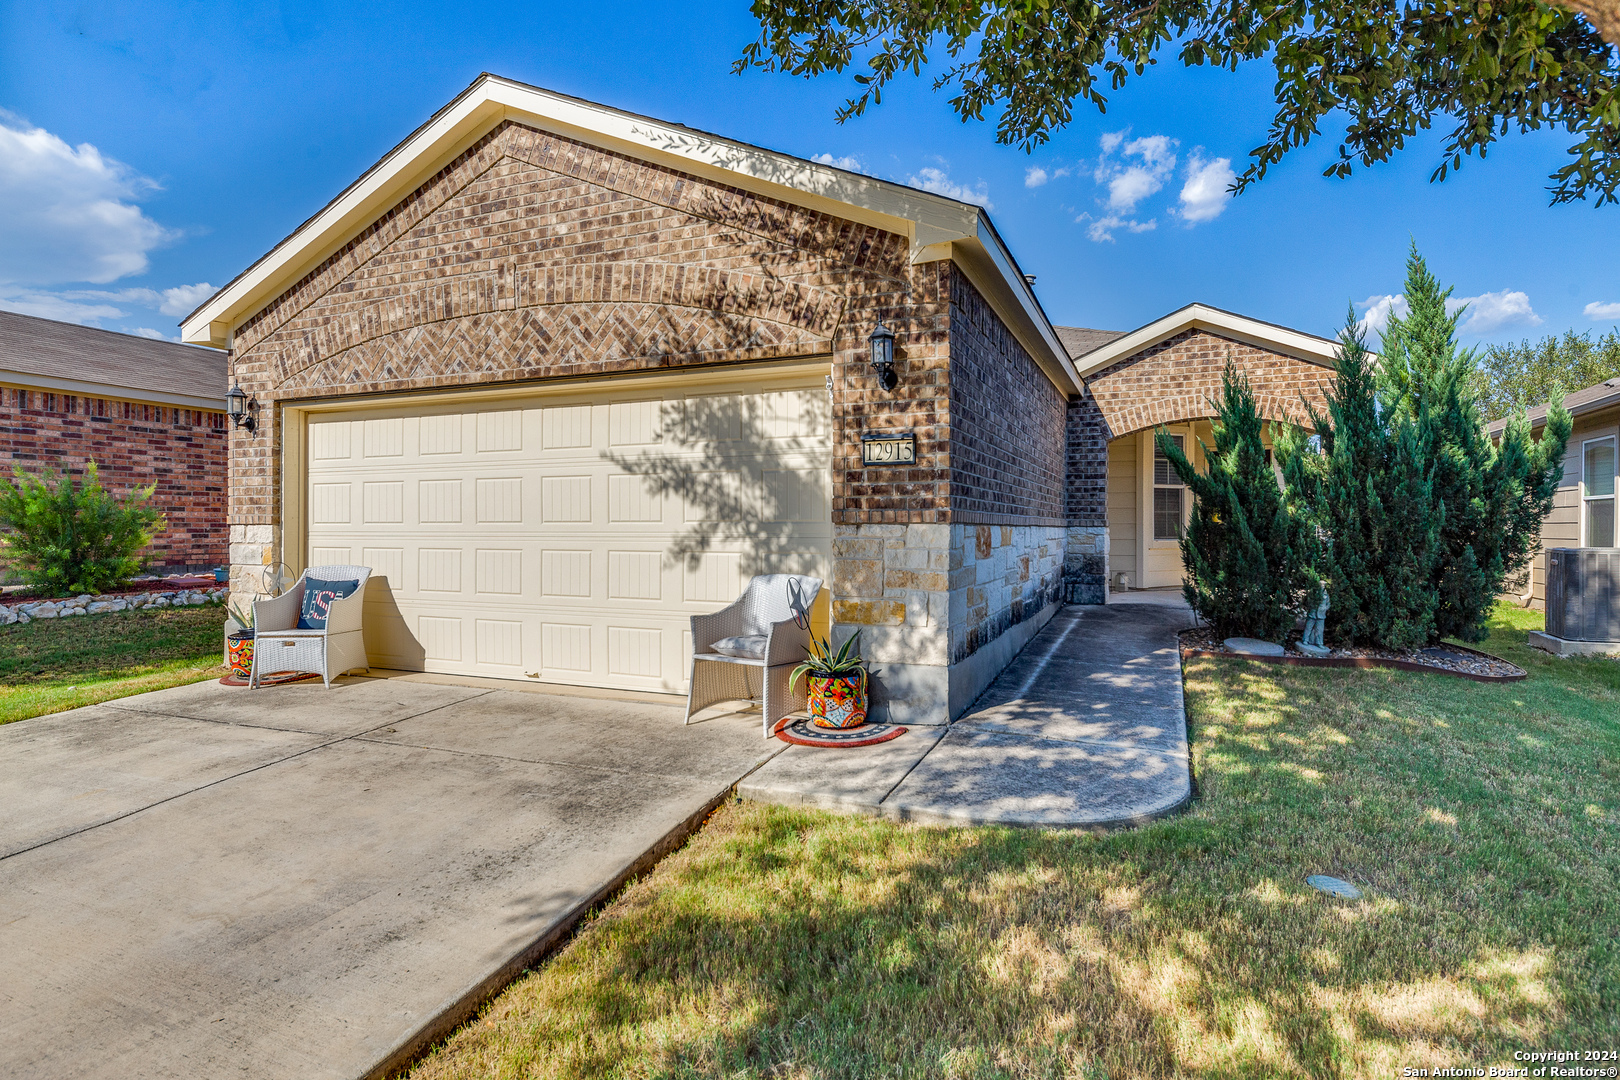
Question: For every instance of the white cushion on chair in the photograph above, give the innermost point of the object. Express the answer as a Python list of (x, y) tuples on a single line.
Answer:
[(743, 646)]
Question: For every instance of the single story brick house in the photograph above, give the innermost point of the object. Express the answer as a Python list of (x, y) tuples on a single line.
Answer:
[(564, 376), (1583, 513), (147, 412)]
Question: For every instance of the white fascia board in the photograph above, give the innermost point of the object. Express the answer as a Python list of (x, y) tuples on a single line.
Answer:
[(927, 220), (1302, 346), (107, 390)]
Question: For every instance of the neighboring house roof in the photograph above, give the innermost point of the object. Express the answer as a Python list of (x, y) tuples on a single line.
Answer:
[(65, 358), (1079, 340), (1593, 398), (939, 228), (1295, 343)]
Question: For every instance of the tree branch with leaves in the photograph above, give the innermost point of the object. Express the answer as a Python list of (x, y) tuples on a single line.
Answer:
[(1392, 70)]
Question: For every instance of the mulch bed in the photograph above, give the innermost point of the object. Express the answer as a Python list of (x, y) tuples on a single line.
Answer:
[(1457, 660), (134, 588)]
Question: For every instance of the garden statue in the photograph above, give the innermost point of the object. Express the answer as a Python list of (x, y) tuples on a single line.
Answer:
[(1311, 642)]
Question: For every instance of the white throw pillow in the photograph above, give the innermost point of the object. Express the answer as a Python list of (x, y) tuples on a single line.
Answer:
[(743, 646)]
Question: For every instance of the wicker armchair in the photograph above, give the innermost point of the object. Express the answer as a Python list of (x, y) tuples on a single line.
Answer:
[(278, 644), (761, 637)]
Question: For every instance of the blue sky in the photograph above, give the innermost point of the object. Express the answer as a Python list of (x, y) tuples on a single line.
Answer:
[(150, 152)]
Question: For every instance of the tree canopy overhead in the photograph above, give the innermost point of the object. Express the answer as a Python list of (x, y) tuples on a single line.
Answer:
[(1392, 69)]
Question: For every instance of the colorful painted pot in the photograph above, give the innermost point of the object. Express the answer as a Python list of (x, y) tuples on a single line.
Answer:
[(242, 654), (838, 703)]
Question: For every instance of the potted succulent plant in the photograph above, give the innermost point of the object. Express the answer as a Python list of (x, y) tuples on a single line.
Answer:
[(241, 642), (837, 683)]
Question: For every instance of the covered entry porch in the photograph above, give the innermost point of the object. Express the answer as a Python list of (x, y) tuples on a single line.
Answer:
[(1131, 505)]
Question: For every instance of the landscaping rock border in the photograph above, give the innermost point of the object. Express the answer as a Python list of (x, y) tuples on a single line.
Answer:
[(1465, 663), (29, 610)]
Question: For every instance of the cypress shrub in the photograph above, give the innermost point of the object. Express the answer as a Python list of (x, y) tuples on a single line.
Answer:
[(1493, 497), (1248, 552), (1371, 492)]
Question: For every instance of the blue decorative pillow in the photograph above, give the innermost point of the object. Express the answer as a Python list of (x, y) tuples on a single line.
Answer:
[(318, 597)]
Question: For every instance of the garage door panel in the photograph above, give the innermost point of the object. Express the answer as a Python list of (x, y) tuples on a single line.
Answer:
[(569, 540)]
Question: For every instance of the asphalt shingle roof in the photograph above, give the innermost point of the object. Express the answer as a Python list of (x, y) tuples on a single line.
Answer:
[(1600, 396), (1079, 340), (123, 363)]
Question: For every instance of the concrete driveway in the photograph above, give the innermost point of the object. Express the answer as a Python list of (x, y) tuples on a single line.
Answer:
[(295, 882)]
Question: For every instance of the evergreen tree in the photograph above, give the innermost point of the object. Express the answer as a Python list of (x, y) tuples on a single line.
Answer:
[(1493, 499), (1247, 551), (1371, 489)]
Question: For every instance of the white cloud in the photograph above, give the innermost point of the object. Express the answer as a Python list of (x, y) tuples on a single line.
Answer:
[(1102, 228), (49, 305), (1149, 162), (68, 213), (155, 335), (1376, 311), (940, 183), (849, 162), (1205, 193), (1131, 186), (91, 307), (1487, 312), (1037, 175), (1158, 152), (1598, 309), (1493, 311), (183, 299)]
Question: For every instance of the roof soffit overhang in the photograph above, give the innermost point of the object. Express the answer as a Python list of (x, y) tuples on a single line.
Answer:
[(937, 228), (1279, 339)]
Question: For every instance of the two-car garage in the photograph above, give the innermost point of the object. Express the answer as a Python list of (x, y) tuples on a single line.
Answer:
[(565, 535)]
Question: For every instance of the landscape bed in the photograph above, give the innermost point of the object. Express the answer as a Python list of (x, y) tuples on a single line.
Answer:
[(1449, 658)]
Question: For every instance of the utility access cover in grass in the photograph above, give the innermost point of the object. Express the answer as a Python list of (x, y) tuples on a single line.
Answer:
[(1333, 887)]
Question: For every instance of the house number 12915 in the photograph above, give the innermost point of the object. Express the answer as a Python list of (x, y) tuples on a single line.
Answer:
[(888, 449)]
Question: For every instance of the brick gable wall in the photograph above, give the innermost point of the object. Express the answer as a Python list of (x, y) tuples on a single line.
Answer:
[(532, 256), (1007, 422), (180, 451), (1178, 378)]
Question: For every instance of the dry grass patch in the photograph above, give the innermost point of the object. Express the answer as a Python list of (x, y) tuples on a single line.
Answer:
[(1481, 821)]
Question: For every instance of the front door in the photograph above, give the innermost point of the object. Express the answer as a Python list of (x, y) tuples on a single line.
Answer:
[(1165, 504)]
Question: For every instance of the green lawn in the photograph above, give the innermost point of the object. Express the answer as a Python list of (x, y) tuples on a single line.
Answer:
[(1483, 822), (55, 664)]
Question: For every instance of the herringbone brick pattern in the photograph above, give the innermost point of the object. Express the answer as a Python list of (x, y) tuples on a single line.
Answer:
[(1179, 378), (532, 256)]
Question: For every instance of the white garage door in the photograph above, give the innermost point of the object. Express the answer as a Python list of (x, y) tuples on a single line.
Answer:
[(568, 538)]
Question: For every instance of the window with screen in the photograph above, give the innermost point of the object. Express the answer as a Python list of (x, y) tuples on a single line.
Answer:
[(1168, 494), (1597, 493)]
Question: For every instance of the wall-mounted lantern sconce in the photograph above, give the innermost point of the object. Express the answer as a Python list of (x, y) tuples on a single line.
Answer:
[(239, 407), (882, 340)]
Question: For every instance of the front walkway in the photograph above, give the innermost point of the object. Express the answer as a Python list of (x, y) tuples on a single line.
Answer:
[(1085, 728)]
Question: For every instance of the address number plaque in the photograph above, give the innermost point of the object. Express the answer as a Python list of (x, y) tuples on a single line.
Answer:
[(888, 449)]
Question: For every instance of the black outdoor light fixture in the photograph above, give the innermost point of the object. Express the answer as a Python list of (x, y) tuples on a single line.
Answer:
[(882, 340), (238, 406)]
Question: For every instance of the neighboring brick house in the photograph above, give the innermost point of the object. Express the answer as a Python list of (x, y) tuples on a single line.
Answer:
[(564, 376), (147, 412)]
